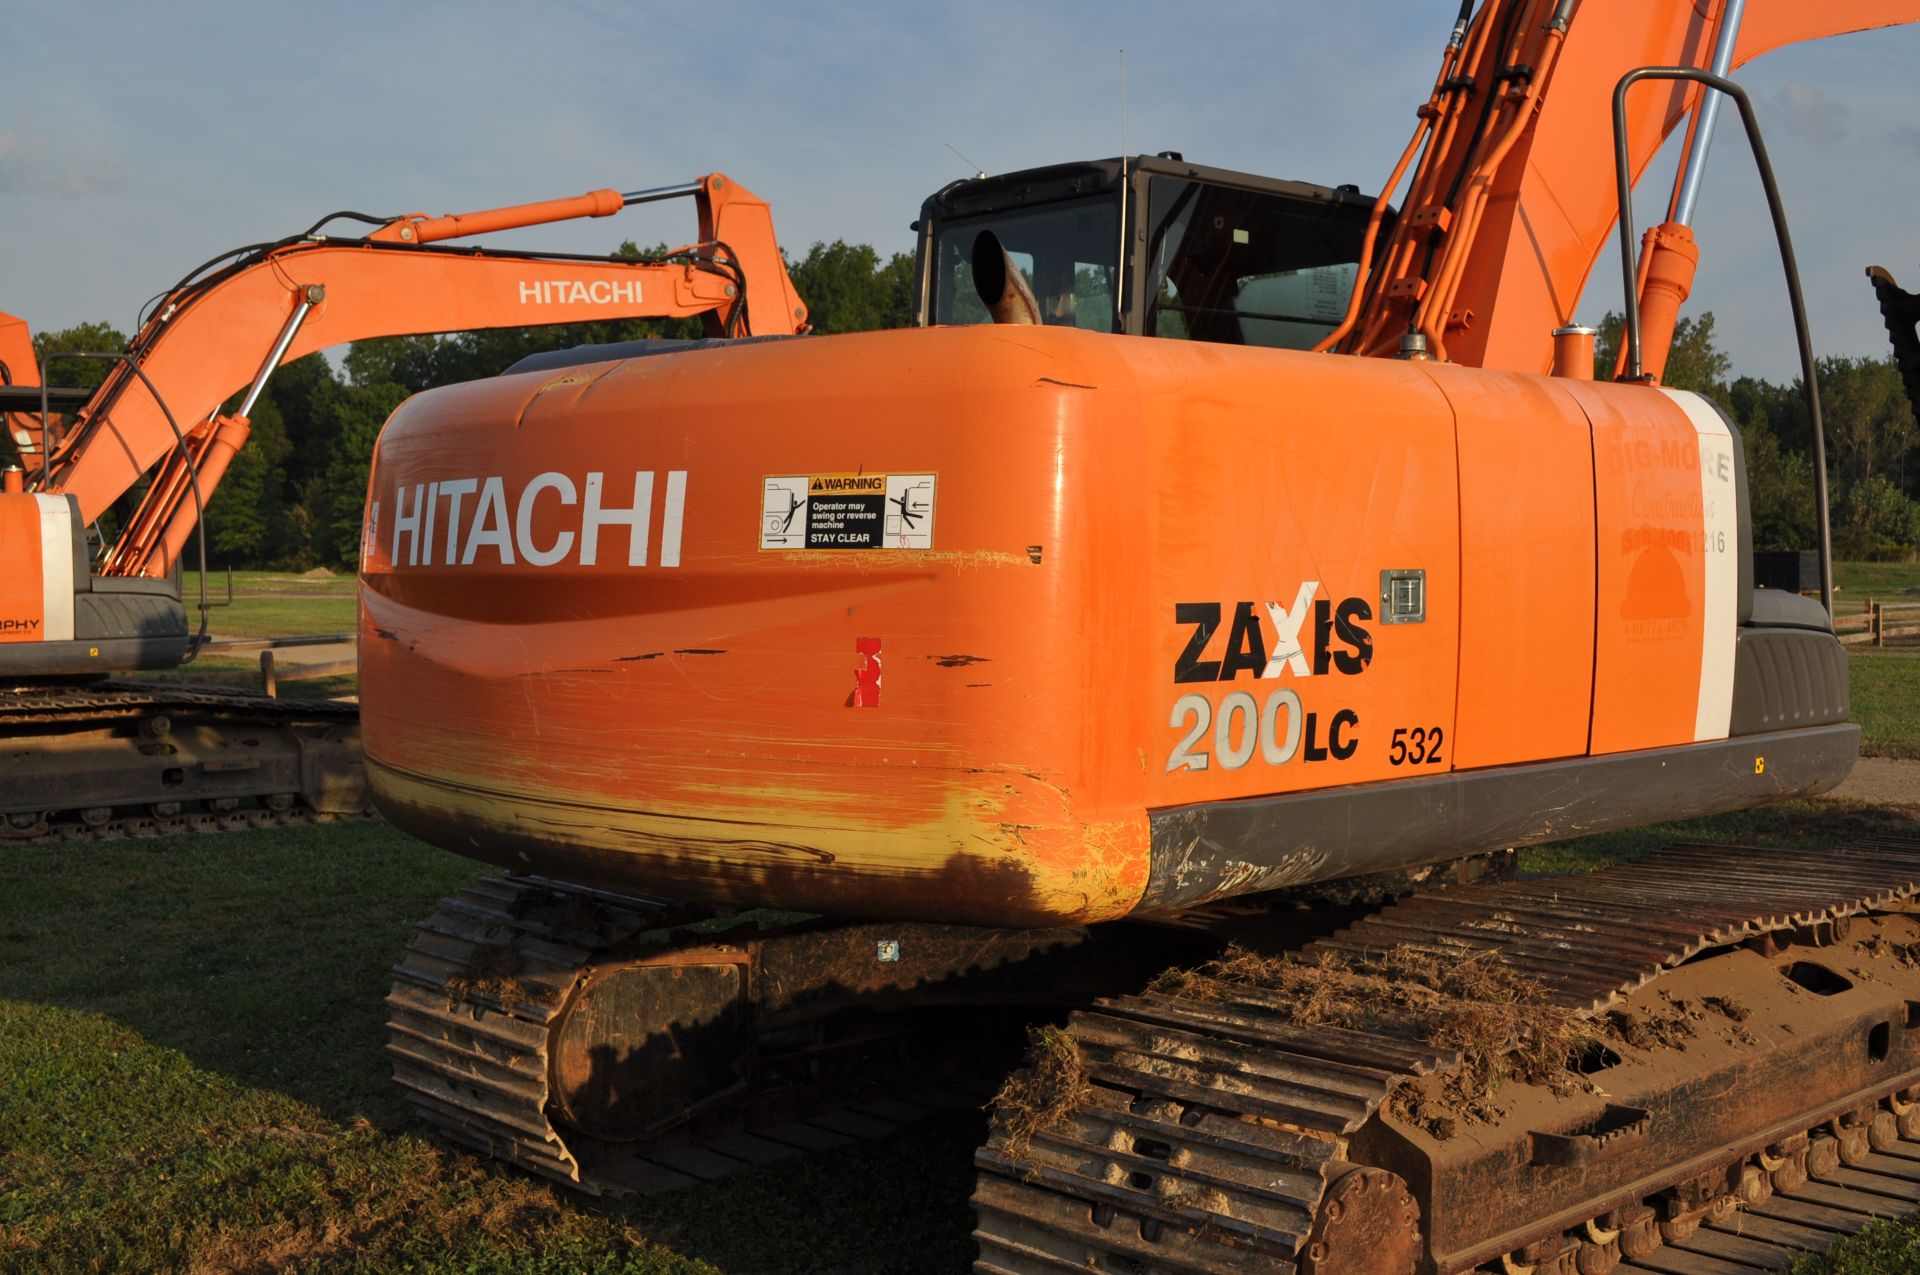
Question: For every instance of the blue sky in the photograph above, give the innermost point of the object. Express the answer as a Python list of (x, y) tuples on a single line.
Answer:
[(137, 140)]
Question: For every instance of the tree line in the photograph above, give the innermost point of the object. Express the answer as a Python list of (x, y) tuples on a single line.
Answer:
[(1873, 446), (292, 497)]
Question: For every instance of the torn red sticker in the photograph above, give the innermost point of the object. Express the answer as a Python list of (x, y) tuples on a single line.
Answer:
[(866, 679)]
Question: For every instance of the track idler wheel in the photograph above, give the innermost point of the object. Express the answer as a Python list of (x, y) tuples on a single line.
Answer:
[(640, 1046), (1599, 1247), (1786, 1163), (26, 823), (1906, 1113), (1823, 1156), (1368, 1224), (1639, 1233), (1755, 1186)]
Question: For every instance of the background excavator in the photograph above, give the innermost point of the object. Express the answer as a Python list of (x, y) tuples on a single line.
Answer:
[(85, 598), (1900, 311), (1217, 564)]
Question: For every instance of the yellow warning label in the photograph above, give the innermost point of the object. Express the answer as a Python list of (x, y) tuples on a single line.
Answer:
[(847, 485), (831, 512)]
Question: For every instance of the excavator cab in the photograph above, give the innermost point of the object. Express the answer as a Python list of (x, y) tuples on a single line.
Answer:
[(1152, 246)]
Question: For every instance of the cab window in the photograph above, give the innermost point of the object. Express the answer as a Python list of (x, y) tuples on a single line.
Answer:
[(1244, 267)]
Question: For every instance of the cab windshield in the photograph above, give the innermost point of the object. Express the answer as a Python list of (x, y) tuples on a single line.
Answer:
[(1068, 251), (1243, 267)]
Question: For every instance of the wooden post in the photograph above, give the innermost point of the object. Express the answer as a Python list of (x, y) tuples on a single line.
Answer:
[(1879, 621), (266, 675)]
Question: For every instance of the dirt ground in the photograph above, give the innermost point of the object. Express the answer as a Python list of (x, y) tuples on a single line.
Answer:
[(1882, 781)]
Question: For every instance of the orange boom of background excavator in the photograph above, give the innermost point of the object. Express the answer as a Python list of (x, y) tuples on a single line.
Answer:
[(1156, 600), (81, 598)]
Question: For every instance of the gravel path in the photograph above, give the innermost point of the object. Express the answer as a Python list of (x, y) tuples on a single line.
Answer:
[(1882, 781)]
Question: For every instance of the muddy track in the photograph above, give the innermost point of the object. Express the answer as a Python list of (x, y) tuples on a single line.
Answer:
[(1220, 1133), (486, 983)]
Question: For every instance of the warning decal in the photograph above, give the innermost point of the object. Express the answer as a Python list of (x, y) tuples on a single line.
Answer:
[(847, 511)]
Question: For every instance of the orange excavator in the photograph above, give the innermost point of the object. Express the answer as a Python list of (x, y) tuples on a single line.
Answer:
[(1217, 563), (87, 756)]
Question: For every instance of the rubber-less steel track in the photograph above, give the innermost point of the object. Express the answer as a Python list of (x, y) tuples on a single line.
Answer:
[(472, 1052), (1212, 1132), (122, 705), (128, 699), (470, 1034)]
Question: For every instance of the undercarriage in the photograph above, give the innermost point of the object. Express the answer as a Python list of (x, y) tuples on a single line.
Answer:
[(115, 758), (1707, 1056)]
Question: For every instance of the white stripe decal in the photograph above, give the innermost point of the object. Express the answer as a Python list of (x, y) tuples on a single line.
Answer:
[(1720, 551), (56, 567)]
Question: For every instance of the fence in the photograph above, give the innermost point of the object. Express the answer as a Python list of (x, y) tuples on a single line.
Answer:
[(1878, 622)]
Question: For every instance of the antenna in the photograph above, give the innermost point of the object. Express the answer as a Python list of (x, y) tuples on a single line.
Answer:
[(978, 171), (1120, 266)]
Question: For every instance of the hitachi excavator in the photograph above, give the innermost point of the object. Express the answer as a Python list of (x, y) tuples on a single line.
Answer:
[(86, 756), (1223, 560)]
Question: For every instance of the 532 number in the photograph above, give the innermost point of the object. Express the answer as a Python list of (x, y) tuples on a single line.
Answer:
[(1416, 746)]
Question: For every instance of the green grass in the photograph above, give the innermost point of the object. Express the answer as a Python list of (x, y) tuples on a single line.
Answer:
[(1884, 1248), (1886, 699), (1815, 824), (273, 604), (191, 1079), (1891, 581)]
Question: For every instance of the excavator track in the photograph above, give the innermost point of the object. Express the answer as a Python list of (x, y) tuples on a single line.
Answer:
[(122, 758), (471, 1051), (1221, 1134), (522, 1003)]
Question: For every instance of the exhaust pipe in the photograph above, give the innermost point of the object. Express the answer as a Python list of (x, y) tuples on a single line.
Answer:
[(1003, 289)]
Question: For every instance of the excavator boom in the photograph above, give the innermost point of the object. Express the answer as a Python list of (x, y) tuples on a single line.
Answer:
[(214, 336), (1511, 203), (87, 758)]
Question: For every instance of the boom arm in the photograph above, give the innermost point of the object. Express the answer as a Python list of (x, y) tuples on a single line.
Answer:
[(1511, 202), (212, 337)]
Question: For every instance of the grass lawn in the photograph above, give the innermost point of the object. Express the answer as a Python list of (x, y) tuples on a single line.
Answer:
[(1855, 582), (191, 1079), (271, 604), (274, 604), (1886, 699)]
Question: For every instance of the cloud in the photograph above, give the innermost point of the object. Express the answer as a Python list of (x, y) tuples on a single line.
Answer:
[(1806, 112), (29, 166), (1907, 137)]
